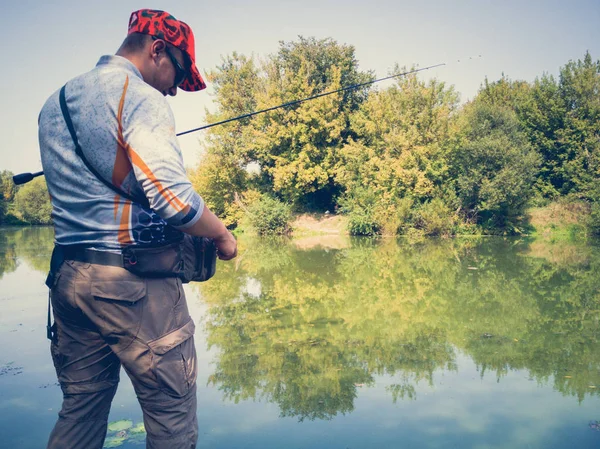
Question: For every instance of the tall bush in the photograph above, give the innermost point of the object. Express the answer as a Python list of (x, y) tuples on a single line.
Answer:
[(268, 215)]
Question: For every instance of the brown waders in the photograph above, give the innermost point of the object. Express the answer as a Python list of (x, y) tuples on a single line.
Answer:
[(107, 317)]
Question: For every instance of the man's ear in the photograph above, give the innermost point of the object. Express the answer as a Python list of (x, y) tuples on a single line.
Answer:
[(156, 48)]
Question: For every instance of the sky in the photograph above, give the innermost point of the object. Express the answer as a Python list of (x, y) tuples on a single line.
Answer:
[(47, 43)]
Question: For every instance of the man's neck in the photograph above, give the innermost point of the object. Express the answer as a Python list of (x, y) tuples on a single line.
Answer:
[(136, 60)]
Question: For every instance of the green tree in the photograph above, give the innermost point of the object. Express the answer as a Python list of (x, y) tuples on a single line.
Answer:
[(512, 94), (542, 116), (398, 155), (493, 165), (295, 149), (32, 202), (221, 172), (217, 178), (561, 120), (580, 136), (298, 148)]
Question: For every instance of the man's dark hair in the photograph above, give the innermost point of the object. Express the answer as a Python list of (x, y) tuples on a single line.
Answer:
[(134, 42)]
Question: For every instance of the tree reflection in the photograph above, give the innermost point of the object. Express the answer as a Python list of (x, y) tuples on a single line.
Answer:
[(31, 244), (8, 256), (305, 329)]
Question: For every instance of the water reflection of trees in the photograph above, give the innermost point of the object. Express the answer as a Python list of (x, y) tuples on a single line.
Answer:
[(30, 244), (8, 257), (305, 329)]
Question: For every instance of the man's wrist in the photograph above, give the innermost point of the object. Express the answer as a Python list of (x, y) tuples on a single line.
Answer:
[(223, 236)]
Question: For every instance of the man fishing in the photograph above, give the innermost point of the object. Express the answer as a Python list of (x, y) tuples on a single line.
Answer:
[(118, 186)]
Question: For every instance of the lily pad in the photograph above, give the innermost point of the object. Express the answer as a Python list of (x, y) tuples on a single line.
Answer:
[(117, 426), (113, 441), (138, 428), (138, 438)]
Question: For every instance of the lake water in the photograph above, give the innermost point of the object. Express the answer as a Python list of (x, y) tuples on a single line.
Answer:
[(352, 344)]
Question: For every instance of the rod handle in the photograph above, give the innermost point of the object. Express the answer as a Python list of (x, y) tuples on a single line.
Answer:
[(24, 178)]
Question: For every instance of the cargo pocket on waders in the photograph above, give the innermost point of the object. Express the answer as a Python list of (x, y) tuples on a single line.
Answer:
[(174, 360), (119, 310)]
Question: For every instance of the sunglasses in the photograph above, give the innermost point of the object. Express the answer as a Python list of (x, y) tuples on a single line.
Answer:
[(180, 72)]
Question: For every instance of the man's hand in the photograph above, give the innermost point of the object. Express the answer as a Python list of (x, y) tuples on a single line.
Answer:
[(226, 246), (210, 226)]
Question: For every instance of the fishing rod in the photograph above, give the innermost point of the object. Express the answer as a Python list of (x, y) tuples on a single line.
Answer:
[(24, 178)]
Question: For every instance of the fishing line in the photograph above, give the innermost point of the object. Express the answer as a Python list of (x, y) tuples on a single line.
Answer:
[(292, 103), (26, 177)]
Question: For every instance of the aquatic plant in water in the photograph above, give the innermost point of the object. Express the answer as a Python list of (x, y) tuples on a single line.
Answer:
[(123, 431)]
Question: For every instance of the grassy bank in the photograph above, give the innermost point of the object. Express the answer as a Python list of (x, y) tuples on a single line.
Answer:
[(557, 221)]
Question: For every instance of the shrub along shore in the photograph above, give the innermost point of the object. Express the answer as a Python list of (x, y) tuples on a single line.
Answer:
[(407, 159), (558, 221)]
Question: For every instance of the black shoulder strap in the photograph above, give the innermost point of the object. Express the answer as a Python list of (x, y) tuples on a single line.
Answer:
[(67, 116)]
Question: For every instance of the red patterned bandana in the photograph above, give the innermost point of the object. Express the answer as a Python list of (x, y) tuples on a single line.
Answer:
[(177, 33)]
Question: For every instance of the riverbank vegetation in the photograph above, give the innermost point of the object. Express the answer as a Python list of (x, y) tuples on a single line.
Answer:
[(404, 159)]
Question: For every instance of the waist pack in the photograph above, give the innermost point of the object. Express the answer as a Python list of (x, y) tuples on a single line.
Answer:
[(190, 259)]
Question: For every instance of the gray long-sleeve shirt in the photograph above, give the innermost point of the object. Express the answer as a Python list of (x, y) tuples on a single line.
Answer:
[(127, 133)]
